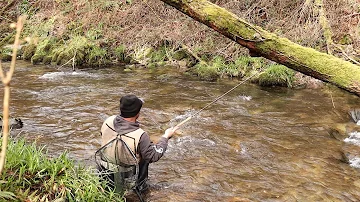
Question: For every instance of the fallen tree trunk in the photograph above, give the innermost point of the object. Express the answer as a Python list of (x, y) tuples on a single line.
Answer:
[(308, 61)]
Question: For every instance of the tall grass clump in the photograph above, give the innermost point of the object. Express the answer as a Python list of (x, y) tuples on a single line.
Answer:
[(205, 71), (79, 50), (277, 75), (30, 175), (218, 67), (120, 53)]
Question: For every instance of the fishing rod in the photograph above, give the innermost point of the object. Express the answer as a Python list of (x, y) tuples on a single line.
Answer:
[(215, 100)]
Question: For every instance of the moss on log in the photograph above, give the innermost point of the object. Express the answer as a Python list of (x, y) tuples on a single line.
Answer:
[(308, 61)]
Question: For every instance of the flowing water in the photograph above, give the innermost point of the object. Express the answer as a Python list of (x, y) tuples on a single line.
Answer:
[(255, 144)]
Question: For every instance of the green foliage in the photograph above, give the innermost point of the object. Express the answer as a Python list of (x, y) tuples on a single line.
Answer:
[(120, 53), (81, 50), (96, 55), (26, 8), (74, 28), (180, 54), (159, 55), (278, 75), (94, 34), (345, 40), (205, 71), (43, 49), (8, 39), (5, 195), (42, 29), (32, 176), (5, 54), (218, 66), (109, 5), (28, 51)]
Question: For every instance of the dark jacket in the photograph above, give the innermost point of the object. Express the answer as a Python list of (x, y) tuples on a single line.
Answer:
[(148, 151)]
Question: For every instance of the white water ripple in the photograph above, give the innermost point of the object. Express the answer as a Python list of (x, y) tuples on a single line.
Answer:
[(53, 75), (354, 138), (355, 162)]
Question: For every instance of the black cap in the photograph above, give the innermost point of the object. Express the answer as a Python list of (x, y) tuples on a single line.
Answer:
[(130, 106)]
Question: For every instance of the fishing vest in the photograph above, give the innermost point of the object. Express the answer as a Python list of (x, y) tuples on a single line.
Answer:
[(114, 152)]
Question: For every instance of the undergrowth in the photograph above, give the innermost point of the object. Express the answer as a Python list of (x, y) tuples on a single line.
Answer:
[(31, 175), (277, 75)]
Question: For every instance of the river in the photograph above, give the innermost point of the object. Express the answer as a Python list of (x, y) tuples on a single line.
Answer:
[(255, 144)]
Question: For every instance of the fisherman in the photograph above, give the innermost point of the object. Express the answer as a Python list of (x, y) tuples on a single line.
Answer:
[(126, 126)]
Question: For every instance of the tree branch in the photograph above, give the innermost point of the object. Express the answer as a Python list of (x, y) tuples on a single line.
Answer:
[(6, 81)]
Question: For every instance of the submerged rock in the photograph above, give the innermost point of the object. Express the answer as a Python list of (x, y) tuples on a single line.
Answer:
[(15, 123), (355, 115)]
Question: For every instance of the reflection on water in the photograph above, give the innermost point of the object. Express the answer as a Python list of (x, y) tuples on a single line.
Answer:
[(255, 144)]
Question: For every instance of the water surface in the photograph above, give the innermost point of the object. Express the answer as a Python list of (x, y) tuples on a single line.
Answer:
[(256, 144)]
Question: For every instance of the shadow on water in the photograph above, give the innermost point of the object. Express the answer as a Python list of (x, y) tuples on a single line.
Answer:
[(255, 144)]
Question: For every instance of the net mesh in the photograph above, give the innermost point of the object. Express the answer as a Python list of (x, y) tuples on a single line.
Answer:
[(117, 159)]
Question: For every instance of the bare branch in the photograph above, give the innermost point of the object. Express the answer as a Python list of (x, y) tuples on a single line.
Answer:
[(6, 81)]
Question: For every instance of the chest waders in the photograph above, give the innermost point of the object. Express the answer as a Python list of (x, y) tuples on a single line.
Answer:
[(118, 157)]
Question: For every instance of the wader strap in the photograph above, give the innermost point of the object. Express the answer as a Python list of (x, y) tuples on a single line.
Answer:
[(108, 134)]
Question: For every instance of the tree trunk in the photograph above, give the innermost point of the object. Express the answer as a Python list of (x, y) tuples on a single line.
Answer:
[(308, 61)]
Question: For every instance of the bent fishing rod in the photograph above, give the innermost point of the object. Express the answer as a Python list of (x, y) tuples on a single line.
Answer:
[(215, 100)]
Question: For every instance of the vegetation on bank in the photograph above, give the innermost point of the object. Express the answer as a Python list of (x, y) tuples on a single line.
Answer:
[(31, 175), (82, 33)]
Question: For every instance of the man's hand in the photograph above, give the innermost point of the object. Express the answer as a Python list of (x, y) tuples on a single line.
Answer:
[(169, 132)]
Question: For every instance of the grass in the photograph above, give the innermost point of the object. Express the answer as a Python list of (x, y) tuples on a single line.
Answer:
[(219, 67), (277, 75), (31, 175)]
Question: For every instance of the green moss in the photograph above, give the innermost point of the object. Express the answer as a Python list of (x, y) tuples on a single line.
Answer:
[(5, 54), (336, 70), (8, 39), (143, 54), (345, 40), (277, 75), (47, 59), (28, 51), (220, 17), (43, 49), (204, 71), (180, 54), (82, 50)]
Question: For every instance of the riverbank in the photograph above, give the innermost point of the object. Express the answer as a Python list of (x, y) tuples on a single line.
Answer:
[(152, 34), (30, 174)]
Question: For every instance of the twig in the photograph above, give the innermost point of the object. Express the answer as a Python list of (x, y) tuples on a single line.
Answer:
[(351, 15), (346, 55), (193, 54), (6, 78), (332, 100), (154, 12), (6, 7), (73, 61)]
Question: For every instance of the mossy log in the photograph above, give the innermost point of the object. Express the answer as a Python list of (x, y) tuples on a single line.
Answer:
[(306, 60)]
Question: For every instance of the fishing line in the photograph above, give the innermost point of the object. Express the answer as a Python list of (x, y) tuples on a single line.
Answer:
[(215, 100)]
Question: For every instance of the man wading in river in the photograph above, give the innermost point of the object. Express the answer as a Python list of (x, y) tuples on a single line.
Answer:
[(127, 151)]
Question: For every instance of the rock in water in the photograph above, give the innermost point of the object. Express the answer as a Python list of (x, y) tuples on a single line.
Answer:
[(15, 123), (355, 115)]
